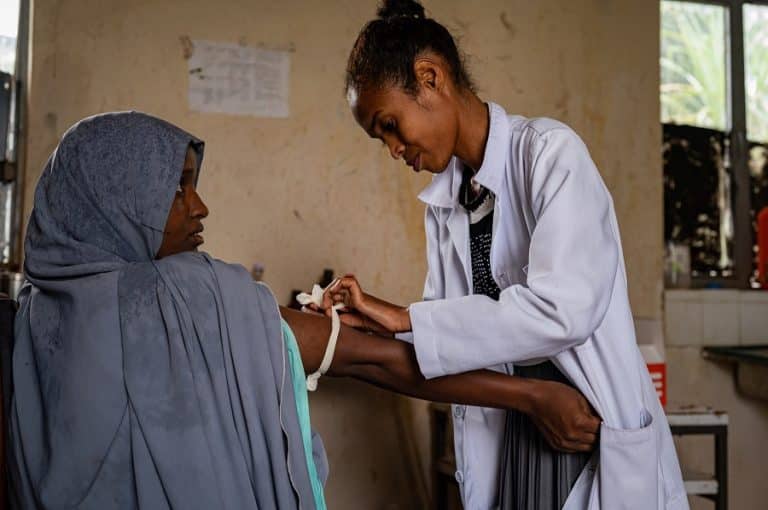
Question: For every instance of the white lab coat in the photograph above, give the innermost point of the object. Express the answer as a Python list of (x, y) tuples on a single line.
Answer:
[(556, 255)]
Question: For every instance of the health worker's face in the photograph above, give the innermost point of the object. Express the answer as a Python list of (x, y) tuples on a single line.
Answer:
[(420, 129)]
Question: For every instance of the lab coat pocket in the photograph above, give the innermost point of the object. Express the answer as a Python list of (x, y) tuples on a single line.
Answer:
[(584, 493), (629, 467)]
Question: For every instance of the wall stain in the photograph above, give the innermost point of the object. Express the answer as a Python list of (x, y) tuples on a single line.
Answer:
[(463, 25), (52, 122), (561, 105), (510, 28), (187, 47)]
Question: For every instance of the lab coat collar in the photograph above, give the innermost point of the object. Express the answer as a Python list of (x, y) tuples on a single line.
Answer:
[(443, 191), (444, 188)]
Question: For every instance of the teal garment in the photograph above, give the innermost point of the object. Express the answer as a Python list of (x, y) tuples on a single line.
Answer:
[(302, 408)]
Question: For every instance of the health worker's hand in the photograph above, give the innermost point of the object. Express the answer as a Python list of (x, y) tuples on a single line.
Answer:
[(364, 311)]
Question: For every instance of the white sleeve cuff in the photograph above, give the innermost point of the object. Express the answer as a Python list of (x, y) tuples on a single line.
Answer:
[(405, 337), (424, 341)]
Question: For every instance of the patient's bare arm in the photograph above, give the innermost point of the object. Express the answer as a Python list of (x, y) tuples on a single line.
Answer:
[(561, 413)]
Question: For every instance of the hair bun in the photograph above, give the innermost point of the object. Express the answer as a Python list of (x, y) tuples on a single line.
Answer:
[(400, 9)]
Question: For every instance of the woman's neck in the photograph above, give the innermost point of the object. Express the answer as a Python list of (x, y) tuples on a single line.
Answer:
[(474, 122)]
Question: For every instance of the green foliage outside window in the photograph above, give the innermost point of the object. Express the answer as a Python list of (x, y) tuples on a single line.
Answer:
[(694, 87), (756, 63), (693, 82)]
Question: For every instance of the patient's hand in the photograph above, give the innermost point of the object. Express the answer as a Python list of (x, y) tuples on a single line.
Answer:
[(363, 311), (564, 417)]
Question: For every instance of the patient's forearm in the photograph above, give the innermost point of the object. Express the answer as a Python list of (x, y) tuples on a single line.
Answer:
[(397, 369), (392, 364)]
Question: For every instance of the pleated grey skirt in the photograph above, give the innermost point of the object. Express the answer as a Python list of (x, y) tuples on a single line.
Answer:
[(534, 476)]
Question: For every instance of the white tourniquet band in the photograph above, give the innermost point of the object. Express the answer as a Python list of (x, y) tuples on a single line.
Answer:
[(316, 298)]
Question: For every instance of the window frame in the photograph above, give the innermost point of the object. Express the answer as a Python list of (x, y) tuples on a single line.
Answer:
[(12, 260), (736, 104)]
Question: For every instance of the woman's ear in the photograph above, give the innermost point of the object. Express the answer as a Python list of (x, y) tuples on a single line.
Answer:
[(430, 74)]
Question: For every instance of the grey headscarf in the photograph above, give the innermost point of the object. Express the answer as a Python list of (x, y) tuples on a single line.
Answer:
[(143, 383)]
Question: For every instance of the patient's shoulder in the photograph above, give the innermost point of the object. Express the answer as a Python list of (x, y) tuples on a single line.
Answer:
[(235, 276), (198, 271), (193, 263)]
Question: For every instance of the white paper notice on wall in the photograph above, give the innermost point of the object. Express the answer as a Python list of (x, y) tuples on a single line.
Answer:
[(238, 80)]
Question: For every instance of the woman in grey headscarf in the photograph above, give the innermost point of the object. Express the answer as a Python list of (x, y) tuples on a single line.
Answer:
[(149, 375)]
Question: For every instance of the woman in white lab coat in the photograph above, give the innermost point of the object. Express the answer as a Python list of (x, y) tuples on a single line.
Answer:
[(525, 270)]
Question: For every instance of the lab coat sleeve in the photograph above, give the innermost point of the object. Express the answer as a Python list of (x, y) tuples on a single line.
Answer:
[(573, 260), (434, 284)]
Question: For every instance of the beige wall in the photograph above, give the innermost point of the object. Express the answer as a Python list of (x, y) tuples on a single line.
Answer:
[(695, 381), (696, 318), (311, 191)]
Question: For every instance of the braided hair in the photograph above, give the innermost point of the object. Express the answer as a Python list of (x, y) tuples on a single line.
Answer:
[(387, 46)]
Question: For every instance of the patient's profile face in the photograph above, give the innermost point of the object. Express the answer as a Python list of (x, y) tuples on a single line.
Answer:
[(184, 225)]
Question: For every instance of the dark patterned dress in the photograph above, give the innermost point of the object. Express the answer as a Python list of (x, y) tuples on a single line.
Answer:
[(533, 475)]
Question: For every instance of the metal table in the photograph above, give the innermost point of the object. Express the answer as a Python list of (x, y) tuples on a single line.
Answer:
[(713, 487)]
